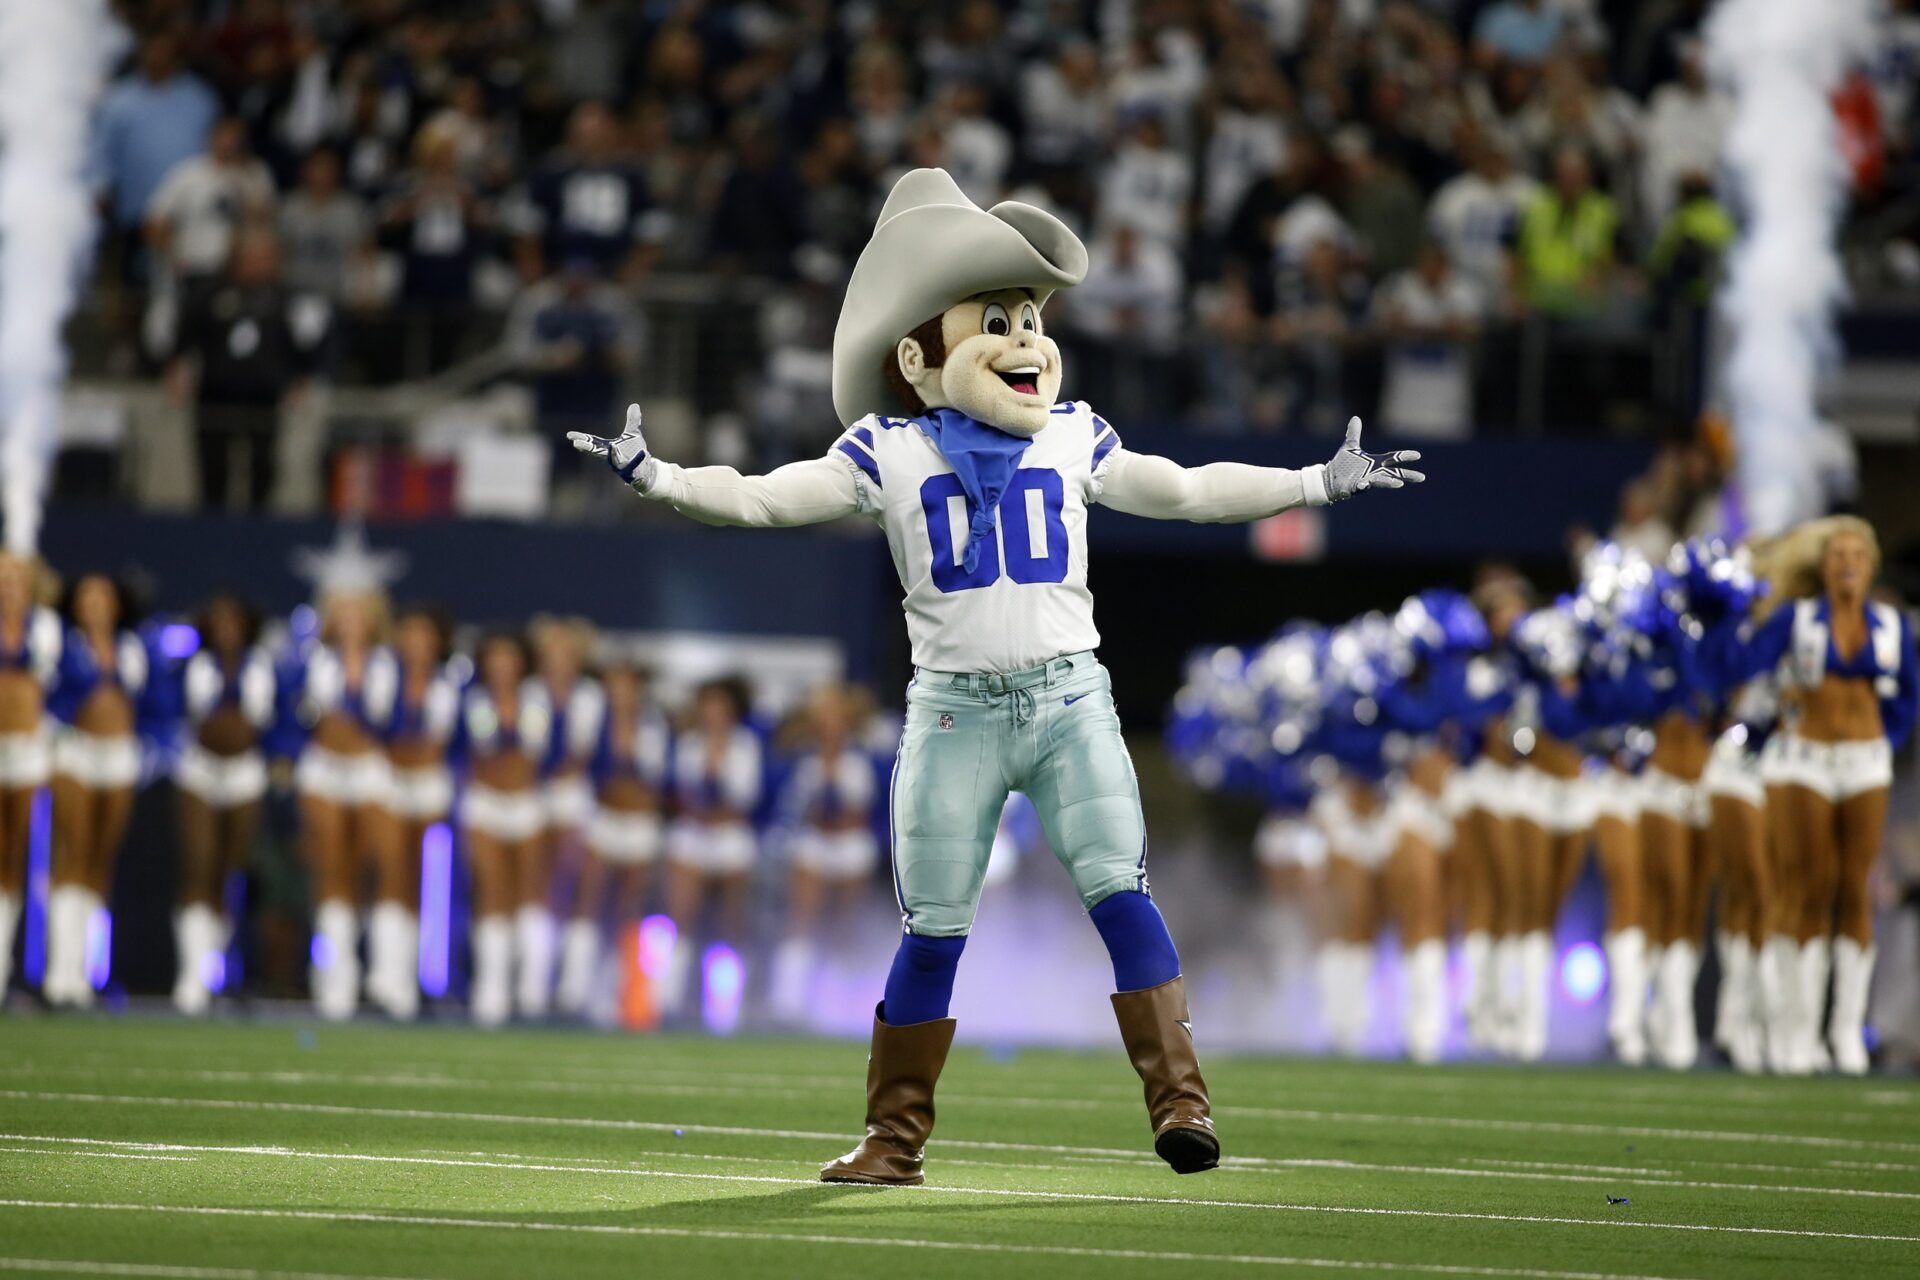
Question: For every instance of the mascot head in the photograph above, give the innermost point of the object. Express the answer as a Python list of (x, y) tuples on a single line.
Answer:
[(943, 310)]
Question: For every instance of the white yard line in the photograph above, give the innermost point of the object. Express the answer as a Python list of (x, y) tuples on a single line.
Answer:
[(70, 1266), (1308, 1116), (523, 1165), (881, 1242), (102, 1155), (643, 1082)]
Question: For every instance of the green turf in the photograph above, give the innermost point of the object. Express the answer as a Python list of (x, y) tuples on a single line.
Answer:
[(134, 1143)]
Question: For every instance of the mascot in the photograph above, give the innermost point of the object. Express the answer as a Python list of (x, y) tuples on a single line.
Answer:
[(958, 445)]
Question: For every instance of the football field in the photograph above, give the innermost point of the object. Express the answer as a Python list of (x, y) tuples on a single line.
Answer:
[(147, 1147)]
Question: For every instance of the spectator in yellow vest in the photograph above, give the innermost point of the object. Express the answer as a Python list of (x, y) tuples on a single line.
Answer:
[(1568, 247)]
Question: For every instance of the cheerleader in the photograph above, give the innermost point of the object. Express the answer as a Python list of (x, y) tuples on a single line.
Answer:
[(1351, 814), (412, 700), (30, 644), (1414, 880), (1496, 1009), (711, 846), (834, 852), (575, 706), (341, 779), (1617, 692), (1737, 839), (219, 783), (96, 765), (1847, 669), (628, 767), (1292, 855), (503, 734), (1673, 833)]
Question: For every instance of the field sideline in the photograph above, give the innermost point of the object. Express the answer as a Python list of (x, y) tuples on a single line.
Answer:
[(147, 1147)]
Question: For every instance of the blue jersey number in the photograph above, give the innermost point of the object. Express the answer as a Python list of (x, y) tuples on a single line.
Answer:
[(1029, 558)]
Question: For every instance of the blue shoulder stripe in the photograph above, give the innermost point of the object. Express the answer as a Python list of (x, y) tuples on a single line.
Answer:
[(861, 460), (863, 435), (1104, 446)]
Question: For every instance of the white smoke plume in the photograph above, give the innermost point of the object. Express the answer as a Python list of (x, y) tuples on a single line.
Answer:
[(51, 67), (1782, 59)]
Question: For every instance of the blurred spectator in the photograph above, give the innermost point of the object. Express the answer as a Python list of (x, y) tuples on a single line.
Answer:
[(588, 50), (760, 217), (193, 217), (1429, 316), (1686, 123), (435, 220), (1314, 323), (1064, 109), (1476, 216), (148, 123), (588, 201), (1147, 183), (1247, 135), (1686, 257), (1130, 304), (463, 122), (1569, 239), (1382, 205), (574, 338), (325, 229), (978, 151), (247, 348)]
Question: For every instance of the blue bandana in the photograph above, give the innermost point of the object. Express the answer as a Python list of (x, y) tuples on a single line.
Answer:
[(985, 459)]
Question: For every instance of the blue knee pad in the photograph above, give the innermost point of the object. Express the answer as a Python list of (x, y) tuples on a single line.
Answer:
[(1137, 940), (920, 985)]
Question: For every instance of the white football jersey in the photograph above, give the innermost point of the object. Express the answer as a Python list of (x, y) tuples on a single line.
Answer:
[(1027, 599)]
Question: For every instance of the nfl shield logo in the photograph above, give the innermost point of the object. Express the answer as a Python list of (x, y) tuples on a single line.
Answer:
[(946, 720)]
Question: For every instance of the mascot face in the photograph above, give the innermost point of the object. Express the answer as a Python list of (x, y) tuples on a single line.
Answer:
[(999, 366)]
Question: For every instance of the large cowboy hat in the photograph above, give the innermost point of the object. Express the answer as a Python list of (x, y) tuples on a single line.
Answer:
[(933, 248)]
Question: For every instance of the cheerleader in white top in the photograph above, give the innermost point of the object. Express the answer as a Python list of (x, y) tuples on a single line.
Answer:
[(628, 768), (503, 733), (834, 852), (1352, 815), (576, 704), (220, 780), (1847, 670), (711, 847), (30, 642), (341, 778), (96, 766), (411, 702)]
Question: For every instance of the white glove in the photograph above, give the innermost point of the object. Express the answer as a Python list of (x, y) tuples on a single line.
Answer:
[(1352, 470), (626, 453)]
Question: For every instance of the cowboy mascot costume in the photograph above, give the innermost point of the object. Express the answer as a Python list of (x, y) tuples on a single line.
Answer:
[(958, 445)]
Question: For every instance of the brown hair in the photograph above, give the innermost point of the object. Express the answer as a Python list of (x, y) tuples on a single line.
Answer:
[(933, 345)]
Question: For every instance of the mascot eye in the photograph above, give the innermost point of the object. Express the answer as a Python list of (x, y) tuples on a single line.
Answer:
[(994, 320), (1028, 320)]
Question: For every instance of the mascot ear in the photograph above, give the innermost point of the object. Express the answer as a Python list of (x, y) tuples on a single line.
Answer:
[(912, 360)]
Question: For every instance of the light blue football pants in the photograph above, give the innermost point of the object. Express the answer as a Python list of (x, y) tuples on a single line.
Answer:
[(1050, 733)]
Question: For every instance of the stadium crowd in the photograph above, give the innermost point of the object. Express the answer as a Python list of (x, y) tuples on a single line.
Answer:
[(1293, 205)]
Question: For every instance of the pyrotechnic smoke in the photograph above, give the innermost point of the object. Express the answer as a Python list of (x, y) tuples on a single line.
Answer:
[(1783, 59), (51, 66)]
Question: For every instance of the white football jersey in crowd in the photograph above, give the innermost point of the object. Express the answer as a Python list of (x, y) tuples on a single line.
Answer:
[(1026, 600)]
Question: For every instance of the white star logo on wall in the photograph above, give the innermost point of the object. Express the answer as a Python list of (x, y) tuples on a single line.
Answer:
[(349, 565)]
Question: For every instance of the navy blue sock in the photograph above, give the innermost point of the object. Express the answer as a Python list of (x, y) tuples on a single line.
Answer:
[(1138, 941), (920, 985)]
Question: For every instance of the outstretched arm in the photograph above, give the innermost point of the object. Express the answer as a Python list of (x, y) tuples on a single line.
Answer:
[(798, 493), (1142, 484)]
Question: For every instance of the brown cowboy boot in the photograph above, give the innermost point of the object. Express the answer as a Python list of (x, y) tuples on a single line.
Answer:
[(1159, 1038), (902, 1068)]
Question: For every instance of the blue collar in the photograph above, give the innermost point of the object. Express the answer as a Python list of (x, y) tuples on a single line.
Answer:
[(985, 459)]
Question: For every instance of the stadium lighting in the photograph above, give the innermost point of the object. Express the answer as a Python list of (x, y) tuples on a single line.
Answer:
[(100, 948), (436, 909), (723, 981), (657, 934), (39, 874), (1583, 973)]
